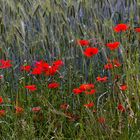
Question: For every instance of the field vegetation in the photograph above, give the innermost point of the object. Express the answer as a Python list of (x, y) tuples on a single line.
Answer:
[(69, 70)]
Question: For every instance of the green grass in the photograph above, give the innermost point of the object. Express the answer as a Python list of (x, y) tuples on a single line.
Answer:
[(32, 30)]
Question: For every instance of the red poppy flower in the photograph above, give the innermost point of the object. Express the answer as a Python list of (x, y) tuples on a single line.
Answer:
[(41, 64), (120, 28), (1, 100), (101, 79), (87, 88), (89, 105), (19, 110), (101, 120), (83, 42), (113, 45), (43, 67), (123, 87), (51, 71), (90, 51), (31, 87), (137, 30), (2, 113), (121, 108), (37, 71), (36, 109), (116, 63), (40, 67), (84, 87), (26, 68), (108, 66), (53, 85), (77, 91), (58, 63), (64, 106), (5, 64), (92, 91)]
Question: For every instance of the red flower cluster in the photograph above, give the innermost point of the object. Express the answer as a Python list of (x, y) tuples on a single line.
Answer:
[(89, 105), (1, 100), (108, 66), (53, 85), (123, 87), (77, 91), (101, 79), (91, 51), (121, 28), (31, 87), (137, 30), (86, 88), (26, 68), (112, 64), (5, 64), (121, 107), (83, 42), (116, 63), (43, 67), (113, 45), (40, 67)]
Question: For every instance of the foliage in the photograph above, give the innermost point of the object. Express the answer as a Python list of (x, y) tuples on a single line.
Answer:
[(49, 30)]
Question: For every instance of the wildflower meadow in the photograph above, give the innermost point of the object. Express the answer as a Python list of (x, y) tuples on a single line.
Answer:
[(69, 69)]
